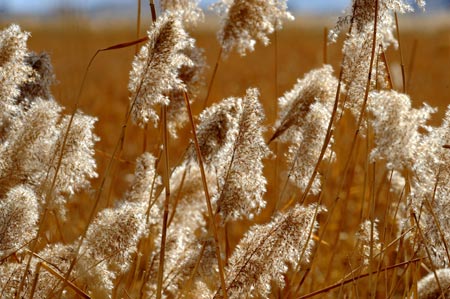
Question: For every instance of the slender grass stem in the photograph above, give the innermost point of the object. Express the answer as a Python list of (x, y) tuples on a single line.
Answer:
[(208, 200), (166, 179), (213, 77)]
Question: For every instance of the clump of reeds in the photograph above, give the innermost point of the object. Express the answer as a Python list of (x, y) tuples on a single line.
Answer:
[(169, 235)]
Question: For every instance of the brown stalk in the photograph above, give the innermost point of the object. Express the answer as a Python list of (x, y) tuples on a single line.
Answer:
[(436, 221), (166, 179), (277, 145), (188, 284), (35, 280), (116, 151), (65, 281), (44, 265), (121, 160), (384, 60), (177, 198), (411, 63), (208, 199), (429, 255), (213, 76), (402, 65), (355, 137), (352, 279), (325, 45)]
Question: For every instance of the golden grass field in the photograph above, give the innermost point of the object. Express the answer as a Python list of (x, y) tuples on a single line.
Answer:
[(298, 48)]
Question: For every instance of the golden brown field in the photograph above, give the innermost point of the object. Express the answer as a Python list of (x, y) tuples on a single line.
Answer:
[(353, 194)]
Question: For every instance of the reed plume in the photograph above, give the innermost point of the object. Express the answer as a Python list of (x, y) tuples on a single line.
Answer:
[(19, 215), (156, 68), (396, 127), (192, 77), (245, 21), (305, 112), (14, 71), (242, 182), (430, 288), (357, 48), (265, 252), (430, 189), (368, 241), (189, 9)]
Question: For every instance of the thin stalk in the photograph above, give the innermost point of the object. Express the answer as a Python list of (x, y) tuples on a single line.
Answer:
[(325, 45), (188, 284), (216, 66), (275, 79), (433, 268), (353, 144), (411, 63), (153, 10), (166, 179), (386, 65), (208, 199), (402, 65), (352, 279), (35, 280)]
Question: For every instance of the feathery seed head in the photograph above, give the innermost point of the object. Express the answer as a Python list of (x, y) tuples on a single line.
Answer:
[(144, 175), (396, 126), (242, 181), (188, 9), (19, 214), (265, 250), (368, 241), (318, 85), (192, 76), (428, 288), (42, 79), (305, 112), (14, 71), (78, 165), (114, 234), (156, 68), (217, 129), (357, 47), (27, 150), (430, 189), (244, 21)]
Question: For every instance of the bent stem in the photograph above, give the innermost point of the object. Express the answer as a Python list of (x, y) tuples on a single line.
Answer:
[(208, 199)]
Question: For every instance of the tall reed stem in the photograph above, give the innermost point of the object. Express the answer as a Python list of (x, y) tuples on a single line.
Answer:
[(166, 179), (213, 76), (402, 65), (208, 200)]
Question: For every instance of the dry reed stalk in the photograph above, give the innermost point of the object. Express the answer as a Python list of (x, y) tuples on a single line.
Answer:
[(402, 65), (213, 77), (208, 200), (166, 203), (350, 280), (427, 250)]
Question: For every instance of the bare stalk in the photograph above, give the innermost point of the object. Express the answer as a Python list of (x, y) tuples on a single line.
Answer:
[(166, 179), (208, 200), (216, 66), (352, 279), (402, 65)]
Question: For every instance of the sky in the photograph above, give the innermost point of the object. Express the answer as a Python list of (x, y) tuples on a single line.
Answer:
[(42, 6), (307, 6)]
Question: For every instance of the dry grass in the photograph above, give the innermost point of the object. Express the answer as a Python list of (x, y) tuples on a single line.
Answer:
[(363, 194)]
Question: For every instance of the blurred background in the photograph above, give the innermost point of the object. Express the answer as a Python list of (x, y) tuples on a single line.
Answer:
[(122, 7)]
